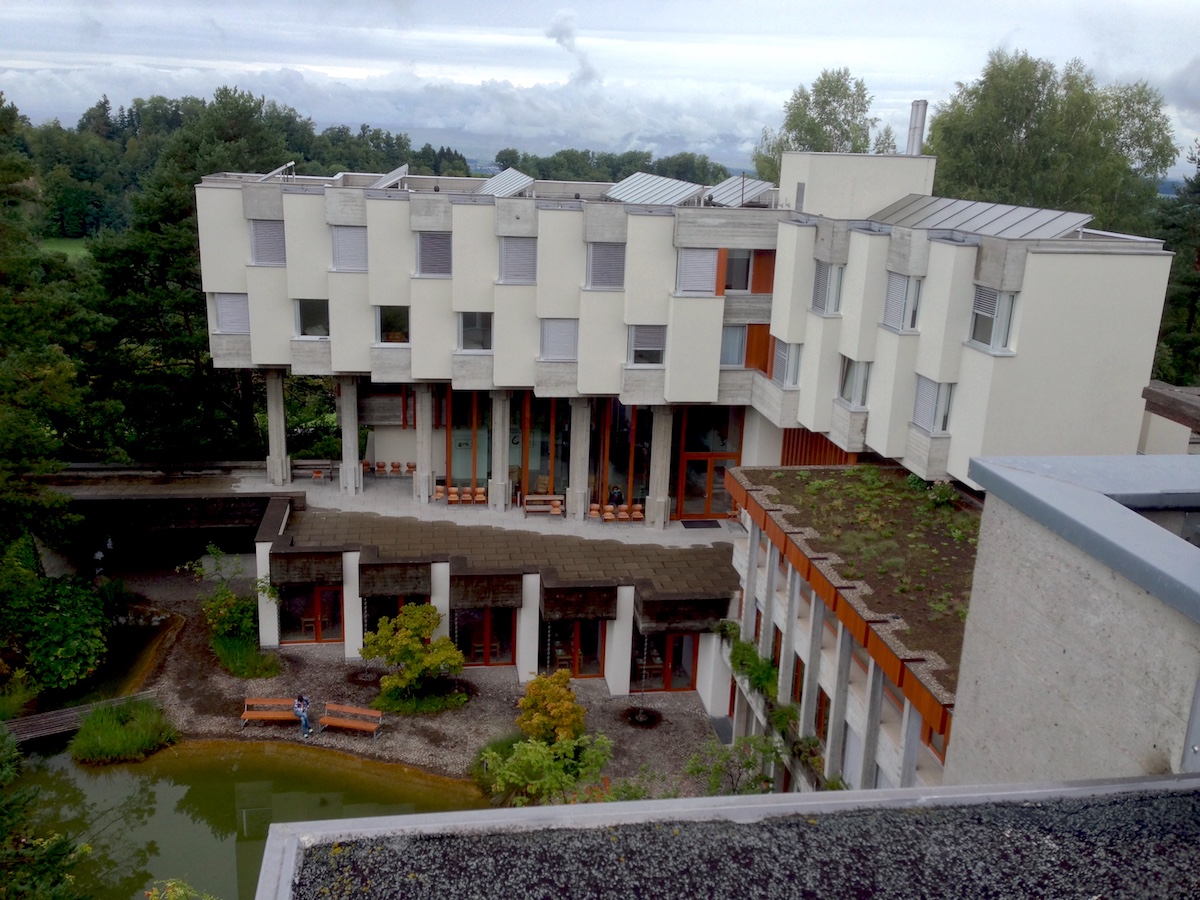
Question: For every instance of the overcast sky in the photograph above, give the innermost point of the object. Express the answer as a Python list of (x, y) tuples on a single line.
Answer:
[(629, 74)]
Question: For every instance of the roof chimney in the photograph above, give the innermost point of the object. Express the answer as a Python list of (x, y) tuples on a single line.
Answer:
[(916, 127)]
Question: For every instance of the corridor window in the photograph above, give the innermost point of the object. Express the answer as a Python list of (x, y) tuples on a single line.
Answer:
[(647, 344), (433, 253), (393, 324), (518, 260), (737, 270), (991, 318), (312, 318), (733, 346), (267, 246), (902, 303), (786, 370), (931, 409), (827, 288), (349, 248), (696, 271), (475, 331), (560, 339), (233, 313), (606, 265), (854, 383)]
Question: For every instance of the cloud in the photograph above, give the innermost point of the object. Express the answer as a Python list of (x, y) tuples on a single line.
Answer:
[(562, 30)]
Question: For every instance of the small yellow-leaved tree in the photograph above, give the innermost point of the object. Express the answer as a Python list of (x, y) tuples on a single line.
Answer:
[(549, 710)]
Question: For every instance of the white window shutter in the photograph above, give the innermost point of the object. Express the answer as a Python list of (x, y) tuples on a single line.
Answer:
[(650, 337), (986, 300), (779, 372), (560, 339), (606, 265), (350, 248), (233, 313), (820, 287), (925, 405), (518, 260), (267, 246), (893, 307), (697, 271), (433, 253)]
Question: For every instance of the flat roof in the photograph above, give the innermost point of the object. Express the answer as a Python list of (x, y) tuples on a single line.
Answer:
[(977, 217)]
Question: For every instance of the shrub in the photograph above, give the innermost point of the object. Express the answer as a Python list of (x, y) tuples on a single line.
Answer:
[(406, 643), (241, 657), (67, 644), (539, 772), (728, 630), (125, 733), (229, 615), (501, 747), (433, 701), (761, 673), (783, 717), (549, 710), (738, 768), (15, 695)]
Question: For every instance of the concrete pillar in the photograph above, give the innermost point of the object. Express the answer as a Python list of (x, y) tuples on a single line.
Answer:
[(750, 583), (866, 778), (268, 607), (812, 668), (787, 655), (713, 676), (910, 735), (578, 495), (279, 464), (658, 500), (350, 476), (837, 703), (618, 644), (766, 633), (529, 621), (352, 606), (423, 482), (499, 487)]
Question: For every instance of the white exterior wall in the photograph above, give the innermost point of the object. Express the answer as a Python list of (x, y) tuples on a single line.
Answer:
[(351, 322), (475, 253), (272, 315), (795, 268), (762, 441), (433, 327), (852, 185), (391, 252), (892, 390), (516, 335), (528, 620), (224, 239), (1161, 435), (649, 269), (944, 319), (352, 607), (693, 342), (820, 370), (1069, 670), (562, 264), (439, 595), (309, 246), (603, 341), (864, 289), (618, 643)]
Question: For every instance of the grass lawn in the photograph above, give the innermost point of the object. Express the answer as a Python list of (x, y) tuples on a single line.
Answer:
[(74, 248)]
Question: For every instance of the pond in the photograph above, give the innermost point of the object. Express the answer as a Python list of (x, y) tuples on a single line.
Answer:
[(200, 811)]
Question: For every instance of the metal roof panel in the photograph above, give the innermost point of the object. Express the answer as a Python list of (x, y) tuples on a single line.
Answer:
[(643, 187)]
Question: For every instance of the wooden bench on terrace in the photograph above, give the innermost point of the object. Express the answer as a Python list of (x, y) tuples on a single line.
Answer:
[(544, 503), (268, 709), (354, 717)]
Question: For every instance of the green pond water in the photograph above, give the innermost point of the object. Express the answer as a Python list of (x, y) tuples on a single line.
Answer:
[(200, 811)]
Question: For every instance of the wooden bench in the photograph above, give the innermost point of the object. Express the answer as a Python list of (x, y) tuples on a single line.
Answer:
[(269, 709), (354, 717), (542, 503)]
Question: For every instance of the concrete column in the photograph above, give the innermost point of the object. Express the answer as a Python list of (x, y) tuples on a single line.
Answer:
[(439, 595), (529, 621), (350, 476), (713, 676), (866, 778), (423, 482), (787, 655), (578, 495), (837, 703), (658, 501), (499, 487), (618, 644), (766, 633), (279, 464), (268, 608), (910, 734), (750, 583), (812, 668), (352, 606)]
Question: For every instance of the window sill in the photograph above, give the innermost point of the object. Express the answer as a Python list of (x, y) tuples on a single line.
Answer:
[(603, 290), (784, 387), (311, 337), (931, 434), (430, 277), (267, 265), (825, 315), (392, 344), (464, 352), (349, 271), (514, 283), (999, 352), (694, 294), (232, 333), (630, 365), (903, 332), (846, 404), (556, 359)]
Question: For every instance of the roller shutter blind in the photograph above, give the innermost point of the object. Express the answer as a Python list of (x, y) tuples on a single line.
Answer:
[(893, 307), (697, 271), (560, 339), (233, 313), (606, 265), (518, 260), (925, 405), (433, 253), (350, 248), (267, 246)]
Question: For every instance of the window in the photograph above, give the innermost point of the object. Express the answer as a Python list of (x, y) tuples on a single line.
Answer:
[(475, 331), (991, 319), (267, 247), (433, 253), (902, 303), (647, 344), (560, 339), (518, 260), (786, 371), (737, 270), (733, 345), (350, 248), (606, 265), (931, 409), (697, 271), (393, 324), (855, 376), (312, 318), (827, 288), (233, 313)]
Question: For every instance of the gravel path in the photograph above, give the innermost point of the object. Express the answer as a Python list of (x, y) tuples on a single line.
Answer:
[(205, 702)]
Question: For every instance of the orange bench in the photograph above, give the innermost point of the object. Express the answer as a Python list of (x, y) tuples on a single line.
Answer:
[(268, 709), (354, 717)]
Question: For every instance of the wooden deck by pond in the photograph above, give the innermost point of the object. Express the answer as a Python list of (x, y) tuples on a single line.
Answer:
[(60, 721)]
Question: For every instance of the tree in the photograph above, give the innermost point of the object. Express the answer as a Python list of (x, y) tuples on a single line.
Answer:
[(1178, 225), (406, 643), (1027, 134), (742, 767), (541, 772), (549, 710), (831, 117)]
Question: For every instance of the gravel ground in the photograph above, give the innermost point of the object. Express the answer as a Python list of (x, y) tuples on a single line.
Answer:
[(204, 702)]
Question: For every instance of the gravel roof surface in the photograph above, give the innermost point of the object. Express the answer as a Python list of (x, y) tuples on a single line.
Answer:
[(1142, 844)]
